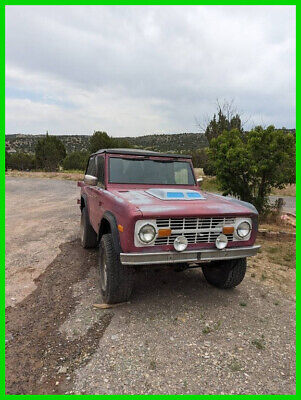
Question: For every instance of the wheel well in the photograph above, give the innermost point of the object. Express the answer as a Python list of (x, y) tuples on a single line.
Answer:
[(82, 203), (105, 227)]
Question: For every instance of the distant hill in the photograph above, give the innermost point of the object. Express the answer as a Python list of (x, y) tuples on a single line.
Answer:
[(27, 143), (181, 142), (174, 143)]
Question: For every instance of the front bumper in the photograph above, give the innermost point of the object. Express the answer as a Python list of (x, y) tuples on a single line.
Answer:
[(195, 256)]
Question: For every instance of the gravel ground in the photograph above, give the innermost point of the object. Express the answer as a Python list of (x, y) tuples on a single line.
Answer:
[(40, 214), (178, 335)]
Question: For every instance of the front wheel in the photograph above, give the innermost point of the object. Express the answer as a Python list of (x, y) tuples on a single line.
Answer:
[(226, 274), (116, 280), (88, 236)]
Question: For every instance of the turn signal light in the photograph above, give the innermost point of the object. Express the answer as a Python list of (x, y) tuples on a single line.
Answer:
[(120, 228), (164, 232), (227, 230)]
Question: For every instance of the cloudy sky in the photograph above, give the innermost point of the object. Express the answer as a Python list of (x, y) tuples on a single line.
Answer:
[(136, 70)]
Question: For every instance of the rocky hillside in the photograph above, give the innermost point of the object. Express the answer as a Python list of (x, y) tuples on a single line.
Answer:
[(173, 142), (178, 142), (27, 143)]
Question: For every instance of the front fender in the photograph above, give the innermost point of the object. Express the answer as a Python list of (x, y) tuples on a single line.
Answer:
[(109, 218)]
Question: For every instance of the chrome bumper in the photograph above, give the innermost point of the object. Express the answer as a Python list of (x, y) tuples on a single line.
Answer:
[(187, 256)]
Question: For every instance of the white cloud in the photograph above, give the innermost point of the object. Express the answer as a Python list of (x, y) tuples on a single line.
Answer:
[(138, 70)]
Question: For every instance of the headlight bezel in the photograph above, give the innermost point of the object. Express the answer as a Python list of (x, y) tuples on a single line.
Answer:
[(238, 224)]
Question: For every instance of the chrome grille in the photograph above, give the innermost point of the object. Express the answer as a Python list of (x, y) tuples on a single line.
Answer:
[(196, 230)]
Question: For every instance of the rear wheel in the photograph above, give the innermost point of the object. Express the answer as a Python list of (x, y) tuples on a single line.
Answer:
[(225, 274), (88, 236), (116, 280)]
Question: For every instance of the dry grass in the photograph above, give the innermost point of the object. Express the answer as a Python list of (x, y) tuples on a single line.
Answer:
[(275, 265), (289, 190), (277, 227), (66, 175), (281, 253)]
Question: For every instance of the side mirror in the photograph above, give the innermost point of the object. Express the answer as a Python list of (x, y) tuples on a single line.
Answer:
[(90, 180), (199, 181)]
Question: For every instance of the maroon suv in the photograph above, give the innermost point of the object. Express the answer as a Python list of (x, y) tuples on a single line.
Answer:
[(145, 208)]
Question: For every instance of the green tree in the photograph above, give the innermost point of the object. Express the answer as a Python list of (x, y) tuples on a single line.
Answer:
[(76, 160), (223, 121), (249, 165), (200, 159), (7, 160), (49, 152), (99, 140), (120, 143)]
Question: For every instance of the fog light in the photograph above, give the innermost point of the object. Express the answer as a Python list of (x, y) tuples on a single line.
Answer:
[(180, 243), (221, 241)]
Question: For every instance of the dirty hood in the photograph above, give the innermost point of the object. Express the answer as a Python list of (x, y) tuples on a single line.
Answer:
[(156, 203)]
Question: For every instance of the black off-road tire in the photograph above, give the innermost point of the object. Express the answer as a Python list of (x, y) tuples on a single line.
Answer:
[(226, 274), (116, 280), (88, 237)]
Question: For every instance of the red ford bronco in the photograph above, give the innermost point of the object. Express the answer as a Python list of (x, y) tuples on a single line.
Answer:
[(146, 208)]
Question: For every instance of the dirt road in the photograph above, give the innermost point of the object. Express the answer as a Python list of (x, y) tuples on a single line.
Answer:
[(178, 335), (40, 215)]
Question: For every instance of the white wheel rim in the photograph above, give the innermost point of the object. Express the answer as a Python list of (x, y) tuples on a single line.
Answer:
[(103, 273), (82, 229)]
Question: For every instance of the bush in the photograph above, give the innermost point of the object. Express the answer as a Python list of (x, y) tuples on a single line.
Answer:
[(76, 160), (50, 152), (200, 159), (19, 161), (248, 165)]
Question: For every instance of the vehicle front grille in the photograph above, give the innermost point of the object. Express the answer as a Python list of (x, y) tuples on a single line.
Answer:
[(196, 230)]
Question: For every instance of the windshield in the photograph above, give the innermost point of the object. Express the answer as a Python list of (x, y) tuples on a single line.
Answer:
[(130, 170)]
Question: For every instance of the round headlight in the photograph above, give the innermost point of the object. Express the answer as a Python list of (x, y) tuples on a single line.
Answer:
[(147, 233), (180, 243), (221, 241), (243, 229)]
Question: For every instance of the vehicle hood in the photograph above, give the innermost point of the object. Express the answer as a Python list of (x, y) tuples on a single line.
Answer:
[(154, 204)]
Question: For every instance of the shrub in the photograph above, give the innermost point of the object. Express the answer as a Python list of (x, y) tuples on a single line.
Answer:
[(76, 160), (19, 161), (248, 165), (49, 152)]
